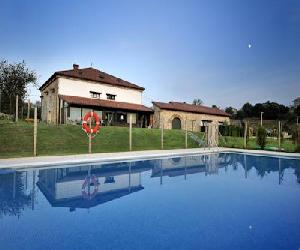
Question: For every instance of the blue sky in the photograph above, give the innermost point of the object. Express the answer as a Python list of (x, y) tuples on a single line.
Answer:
[(177, 50)]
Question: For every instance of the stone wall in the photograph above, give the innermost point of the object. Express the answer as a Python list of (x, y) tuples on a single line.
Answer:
[(50, 103), (192, 121)]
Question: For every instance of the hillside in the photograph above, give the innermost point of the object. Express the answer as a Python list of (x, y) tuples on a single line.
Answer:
[(16, 140)]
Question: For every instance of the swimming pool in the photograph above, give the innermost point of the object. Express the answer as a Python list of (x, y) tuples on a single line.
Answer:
[(214, 201)]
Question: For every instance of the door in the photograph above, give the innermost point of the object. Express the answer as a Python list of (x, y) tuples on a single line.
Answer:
[(176, 123)]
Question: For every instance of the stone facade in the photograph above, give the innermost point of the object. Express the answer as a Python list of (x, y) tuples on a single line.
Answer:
[(191, 121), (50, 103)]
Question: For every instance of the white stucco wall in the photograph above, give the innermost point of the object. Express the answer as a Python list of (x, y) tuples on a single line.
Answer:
[(76, 87), (71, 189)]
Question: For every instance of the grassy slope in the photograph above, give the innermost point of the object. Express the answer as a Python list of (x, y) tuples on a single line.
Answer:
[(238, 142), (17, 139)]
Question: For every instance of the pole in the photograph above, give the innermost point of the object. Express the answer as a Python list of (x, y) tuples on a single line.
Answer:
[(245, 134), (35, 131), (28, 109), (261, 114), (130, 132), (279, 135), (90, 135), (17, 107), (186, 141), (162, 134)]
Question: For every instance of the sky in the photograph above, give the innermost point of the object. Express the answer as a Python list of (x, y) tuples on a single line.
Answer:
[(177, 50)]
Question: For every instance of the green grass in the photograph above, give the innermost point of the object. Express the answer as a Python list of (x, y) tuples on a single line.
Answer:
[(16, 139), (238, 142)]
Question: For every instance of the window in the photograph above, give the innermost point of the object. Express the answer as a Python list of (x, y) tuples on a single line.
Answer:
[(109, 179), (95, 94), (111, 97), (121, 117)]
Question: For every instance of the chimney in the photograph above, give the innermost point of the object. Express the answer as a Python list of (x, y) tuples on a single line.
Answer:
[(75, 66)]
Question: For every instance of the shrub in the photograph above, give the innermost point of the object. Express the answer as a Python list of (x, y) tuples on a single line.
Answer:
[(261, 137), (296, 136), (6, 117)]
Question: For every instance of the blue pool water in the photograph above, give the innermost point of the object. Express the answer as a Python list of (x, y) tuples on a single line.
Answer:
[(216, 201)]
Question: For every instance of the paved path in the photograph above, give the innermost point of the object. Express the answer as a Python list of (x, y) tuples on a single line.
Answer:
[(41, 161)]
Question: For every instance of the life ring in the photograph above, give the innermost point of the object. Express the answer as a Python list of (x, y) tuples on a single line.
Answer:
[(85, 126), (87, 194)]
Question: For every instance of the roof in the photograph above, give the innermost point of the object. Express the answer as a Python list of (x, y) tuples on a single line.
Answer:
[(92, 74), (77, 100), (192, 108)]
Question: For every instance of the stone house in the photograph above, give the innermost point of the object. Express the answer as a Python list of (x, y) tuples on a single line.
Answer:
[(68, 95), (181, 115)]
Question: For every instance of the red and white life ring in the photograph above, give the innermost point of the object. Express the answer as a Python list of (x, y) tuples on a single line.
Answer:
[(85, 126), (85, 189)]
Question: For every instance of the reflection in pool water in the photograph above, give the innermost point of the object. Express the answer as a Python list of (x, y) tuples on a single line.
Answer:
[(145, 204)]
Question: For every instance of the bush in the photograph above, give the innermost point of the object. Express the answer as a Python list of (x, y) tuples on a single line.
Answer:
[(261, 137), (6, 117), (296, 136)]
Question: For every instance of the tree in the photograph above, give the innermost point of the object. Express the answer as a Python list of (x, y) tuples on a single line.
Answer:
[(261, 138), (297, 111), (14, 80), (233, 112), (247, 109), (229, 110), (197, 101)]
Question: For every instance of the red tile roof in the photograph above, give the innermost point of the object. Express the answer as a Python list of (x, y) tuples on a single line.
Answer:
[(104, 103), (185, 107), (92, 74)]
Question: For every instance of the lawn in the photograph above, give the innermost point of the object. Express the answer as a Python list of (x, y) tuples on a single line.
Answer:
[(16, 139), (238, 142)]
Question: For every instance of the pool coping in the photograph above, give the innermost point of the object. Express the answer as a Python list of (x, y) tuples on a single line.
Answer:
[(48, 161)]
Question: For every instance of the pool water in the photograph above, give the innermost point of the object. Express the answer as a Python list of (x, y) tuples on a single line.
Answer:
[(214, 201)]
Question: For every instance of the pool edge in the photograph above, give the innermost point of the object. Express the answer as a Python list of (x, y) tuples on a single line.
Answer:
[(49, 161)]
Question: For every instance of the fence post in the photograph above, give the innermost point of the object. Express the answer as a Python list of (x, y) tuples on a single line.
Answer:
[(35, 131), (245, 134), (186, 141), (130, 132), (90, 135), (162, 134), (28, 109), (17, 107), (279, 135)]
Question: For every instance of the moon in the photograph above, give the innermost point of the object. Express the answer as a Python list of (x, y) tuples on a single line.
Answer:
[(249, 45)]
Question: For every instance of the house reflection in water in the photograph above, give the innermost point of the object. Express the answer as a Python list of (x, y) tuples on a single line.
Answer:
[(208, 164), (89, 186)]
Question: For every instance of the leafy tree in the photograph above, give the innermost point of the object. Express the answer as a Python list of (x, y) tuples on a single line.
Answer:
[(247, 110), (14, 80), (261, 138), (197, 101), (271, 110), (297, 111), (230, 110)]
